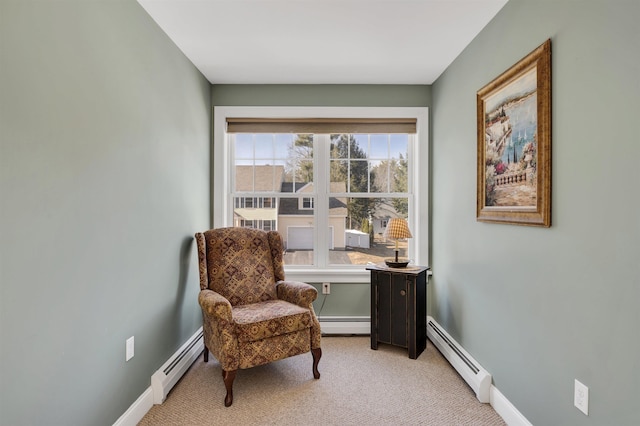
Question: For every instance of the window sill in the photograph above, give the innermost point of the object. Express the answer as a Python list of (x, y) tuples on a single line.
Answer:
[(337, 275)]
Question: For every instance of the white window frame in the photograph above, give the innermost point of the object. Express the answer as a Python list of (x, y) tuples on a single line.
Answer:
[(222, 209)]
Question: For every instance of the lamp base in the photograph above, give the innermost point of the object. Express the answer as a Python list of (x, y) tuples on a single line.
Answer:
[(396, 263)]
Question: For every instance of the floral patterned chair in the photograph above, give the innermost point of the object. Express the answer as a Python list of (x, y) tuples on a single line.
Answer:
[(251, 315)]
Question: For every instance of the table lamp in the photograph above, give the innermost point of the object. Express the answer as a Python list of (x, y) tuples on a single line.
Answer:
[(397, 229)]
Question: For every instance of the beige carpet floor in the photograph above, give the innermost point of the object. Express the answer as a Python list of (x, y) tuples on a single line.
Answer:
[(358, 386)]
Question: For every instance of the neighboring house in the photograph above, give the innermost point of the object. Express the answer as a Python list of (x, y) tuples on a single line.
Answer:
[(384, 212), (254, 211), (295, 217), (291, 216)]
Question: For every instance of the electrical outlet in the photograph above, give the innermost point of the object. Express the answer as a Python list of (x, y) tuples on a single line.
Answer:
[(581, 397), (326, 288), (130, 348)]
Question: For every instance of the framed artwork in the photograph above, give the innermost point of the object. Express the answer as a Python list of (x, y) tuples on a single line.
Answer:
[(514, 143)]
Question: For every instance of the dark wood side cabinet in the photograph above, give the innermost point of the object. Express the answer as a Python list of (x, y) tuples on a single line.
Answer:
[(399, 307)]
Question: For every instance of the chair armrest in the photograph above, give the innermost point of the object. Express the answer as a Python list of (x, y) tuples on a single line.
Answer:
[(215, 305), (297, 292)]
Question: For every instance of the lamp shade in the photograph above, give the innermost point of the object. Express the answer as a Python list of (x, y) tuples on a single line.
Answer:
[(397, 229)]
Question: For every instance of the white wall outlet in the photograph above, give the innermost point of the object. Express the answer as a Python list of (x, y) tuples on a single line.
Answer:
[(326, 288), (130, 348), (581, 397)]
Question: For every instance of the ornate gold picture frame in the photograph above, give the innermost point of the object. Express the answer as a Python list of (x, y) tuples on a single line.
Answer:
[(514, 143)]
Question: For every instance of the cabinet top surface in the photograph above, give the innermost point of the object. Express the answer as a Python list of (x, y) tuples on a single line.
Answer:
[(410, 269)]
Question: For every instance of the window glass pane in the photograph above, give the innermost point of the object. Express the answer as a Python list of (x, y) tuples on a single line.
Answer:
[(359, 176), (304, 171), (339, 146), (266, 178), (338, 172), (361, 144), (244, 178), (399, 146), (296, 226), (299, 162), (379, 146), (399, 176), (379, 175), (244, 145), (264, 146), (361, 240), (303, 146), (283, 143)]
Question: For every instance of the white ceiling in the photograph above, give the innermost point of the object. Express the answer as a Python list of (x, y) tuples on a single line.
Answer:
[(322, 41)]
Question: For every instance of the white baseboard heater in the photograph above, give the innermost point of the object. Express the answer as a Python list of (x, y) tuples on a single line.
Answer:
[(475, 376), (168, 375), (344, 325)]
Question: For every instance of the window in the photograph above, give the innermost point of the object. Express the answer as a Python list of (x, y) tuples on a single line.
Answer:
[(329, 194), (307, 203)]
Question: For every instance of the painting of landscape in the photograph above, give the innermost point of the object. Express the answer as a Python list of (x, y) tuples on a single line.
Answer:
[(511, 144), (514, 143)]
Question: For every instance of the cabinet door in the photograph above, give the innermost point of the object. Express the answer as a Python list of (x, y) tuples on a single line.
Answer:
[(399, 297), (382, 285)]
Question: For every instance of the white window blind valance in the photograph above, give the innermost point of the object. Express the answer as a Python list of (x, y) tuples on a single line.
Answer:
[(321, 125)]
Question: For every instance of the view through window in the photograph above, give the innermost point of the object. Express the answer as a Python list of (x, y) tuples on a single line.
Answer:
[(328, 195)]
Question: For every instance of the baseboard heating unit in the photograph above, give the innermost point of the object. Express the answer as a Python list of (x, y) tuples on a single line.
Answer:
[(476, 377), (344, 325), (168, 375)]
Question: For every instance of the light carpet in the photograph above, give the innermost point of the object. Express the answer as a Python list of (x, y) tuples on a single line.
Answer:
[(358, 386)]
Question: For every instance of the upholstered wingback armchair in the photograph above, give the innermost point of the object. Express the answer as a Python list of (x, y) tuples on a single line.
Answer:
[(251, 315)]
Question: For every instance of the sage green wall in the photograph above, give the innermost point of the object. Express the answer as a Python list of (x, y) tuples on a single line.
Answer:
[(104, 178), (346, 299), (538, 307), (365, 95)]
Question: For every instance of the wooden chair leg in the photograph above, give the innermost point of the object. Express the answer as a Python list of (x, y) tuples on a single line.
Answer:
[(228, 377), (317, 354), (206, 354)]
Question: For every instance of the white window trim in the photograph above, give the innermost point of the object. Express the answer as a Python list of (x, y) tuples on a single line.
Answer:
[(419, 245)]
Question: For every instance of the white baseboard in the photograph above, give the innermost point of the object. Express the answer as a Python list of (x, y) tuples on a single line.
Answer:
[(345, 325), (506, 410), (138, 409)]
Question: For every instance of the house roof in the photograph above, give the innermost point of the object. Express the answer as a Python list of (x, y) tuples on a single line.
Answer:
[(385, 210), (259, 178), (256, 214), (290, 205)]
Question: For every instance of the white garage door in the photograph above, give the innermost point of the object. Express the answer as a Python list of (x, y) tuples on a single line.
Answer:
[(300, 238)]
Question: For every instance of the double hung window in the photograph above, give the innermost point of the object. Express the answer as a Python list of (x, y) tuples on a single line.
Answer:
[(328, 189)]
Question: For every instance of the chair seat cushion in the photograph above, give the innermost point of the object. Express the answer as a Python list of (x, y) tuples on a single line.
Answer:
[(262, 320)]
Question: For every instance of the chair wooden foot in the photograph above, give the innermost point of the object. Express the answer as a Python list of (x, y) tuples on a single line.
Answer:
[(317, 354), (228, 377), (206, 354)]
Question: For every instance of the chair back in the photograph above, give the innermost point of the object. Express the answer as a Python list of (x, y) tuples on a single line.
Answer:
[(241, 264)]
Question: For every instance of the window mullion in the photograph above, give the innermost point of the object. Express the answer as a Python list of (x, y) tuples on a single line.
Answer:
[(321, 190), (228, 202)]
